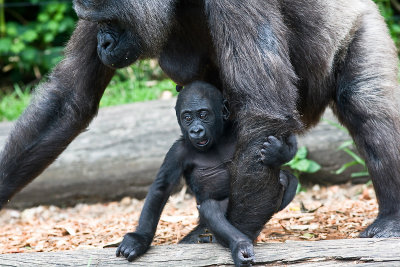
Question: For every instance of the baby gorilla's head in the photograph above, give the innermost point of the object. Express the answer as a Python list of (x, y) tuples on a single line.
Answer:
[(201, 113)]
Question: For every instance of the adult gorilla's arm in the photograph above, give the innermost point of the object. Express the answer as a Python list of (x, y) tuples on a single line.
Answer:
[(250, 39), (61, 108)]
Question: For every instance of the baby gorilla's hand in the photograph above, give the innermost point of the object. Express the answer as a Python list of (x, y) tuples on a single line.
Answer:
[(242, 253), (278, 151), (132, 246)]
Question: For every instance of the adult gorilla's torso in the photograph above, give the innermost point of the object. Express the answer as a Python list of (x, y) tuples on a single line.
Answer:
[(318, 32)]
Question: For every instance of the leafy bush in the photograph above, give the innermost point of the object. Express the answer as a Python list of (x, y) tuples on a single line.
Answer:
[(33, 34), (301, 164)]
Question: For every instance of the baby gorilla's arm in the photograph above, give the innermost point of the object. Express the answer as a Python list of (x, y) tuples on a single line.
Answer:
[(276, 152)]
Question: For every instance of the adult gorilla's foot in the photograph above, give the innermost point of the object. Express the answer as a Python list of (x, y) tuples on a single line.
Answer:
[(383, 227)]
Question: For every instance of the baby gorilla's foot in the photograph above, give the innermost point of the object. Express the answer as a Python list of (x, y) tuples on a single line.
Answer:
[(199, 235), (278, 151)]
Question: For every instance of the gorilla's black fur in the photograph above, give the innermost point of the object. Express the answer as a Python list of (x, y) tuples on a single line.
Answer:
[(279, 62)]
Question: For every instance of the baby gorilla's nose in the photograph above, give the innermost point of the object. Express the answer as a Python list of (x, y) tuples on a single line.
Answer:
[(197, 131)]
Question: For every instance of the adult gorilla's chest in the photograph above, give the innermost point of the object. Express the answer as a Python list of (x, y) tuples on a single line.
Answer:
[(189, 55), (186, 61)]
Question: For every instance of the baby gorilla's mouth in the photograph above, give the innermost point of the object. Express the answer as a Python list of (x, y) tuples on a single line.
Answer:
[(203, 142)]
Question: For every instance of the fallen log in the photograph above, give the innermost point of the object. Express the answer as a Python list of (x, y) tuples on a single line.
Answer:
[(347, 252), (124, 146)]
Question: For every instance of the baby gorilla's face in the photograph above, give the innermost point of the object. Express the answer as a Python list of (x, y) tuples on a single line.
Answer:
[(199, 122)]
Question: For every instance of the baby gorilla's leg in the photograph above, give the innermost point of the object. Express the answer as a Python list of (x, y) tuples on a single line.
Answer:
[(213, 213), (200, 234), (289, 183)]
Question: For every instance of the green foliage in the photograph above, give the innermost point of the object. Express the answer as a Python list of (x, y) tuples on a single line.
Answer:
[(348, 147), (301, 164), (2, 20), (392, 19), (33, 45), (12, 105), (141, 82), (127, 92)]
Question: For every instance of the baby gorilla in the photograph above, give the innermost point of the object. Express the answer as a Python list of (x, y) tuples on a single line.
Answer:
[(202, 155)]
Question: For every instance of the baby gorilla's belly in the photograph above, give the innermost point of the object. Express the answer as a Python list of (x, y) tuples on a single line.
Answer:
[(210, 182)]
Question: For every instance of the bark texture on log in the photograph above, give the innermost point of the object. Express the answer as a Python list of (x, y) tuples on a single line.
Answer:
[(349, 252), (119, 155), (124, 146)]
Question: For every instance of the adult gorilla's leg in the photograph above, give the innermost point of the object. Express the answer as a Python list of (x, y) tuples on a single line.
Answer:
[(260, 83), (366, 103), (61, 109), (256, 192)]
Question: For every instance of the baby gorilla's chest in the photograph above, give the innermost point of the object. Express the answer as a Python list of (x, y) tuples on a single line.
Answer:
[(210, 179)]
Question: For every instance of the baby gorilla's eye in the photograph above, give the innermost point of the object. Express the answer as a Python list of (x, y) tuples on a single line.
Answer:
[(203, 115), (187, 117)]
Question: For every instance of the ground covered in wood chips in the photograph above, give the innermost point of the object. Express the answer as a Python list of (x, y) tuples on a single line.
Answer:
[(332, 212)]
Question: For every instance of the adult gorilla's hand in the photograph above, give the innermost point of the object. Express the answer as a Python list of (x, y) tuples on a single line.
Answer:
[(133, 245)]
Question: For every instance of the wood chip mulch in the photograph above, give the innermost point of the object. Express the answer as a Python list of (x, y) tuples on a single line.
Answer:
[(333, 212)]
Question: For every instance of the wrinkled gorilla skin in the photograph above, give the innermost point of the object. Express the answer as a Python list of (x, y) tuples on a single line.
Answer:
[(202, 156), (280, 64)]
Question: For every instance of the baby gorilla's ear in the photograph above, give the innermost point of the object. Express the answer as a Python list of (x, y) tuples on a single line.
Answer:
[(225, 109), (179, 88)]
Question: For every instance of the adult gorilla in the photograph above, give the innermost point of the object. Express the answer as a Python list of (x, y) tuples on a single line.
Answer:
[(280, 63)]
